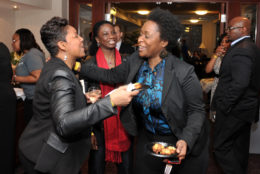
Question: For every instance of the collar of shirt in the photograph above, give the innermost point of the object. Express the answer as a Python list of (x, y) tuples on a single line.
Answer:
[(118, 45), (239, 39)]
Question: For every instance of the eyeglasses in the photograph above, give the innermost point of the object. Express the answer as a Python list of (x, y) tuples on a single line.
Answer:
[(233, 28), (15, 40)]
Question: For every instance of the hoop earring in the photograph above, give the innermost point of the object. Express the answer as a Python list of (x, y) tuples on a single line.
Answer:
[(65, 57), (163, 54)]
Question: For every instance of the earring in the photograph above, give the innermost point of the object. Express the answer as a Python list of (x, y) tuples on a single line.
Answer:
[(163, 53), (65, 57), (98, 44)]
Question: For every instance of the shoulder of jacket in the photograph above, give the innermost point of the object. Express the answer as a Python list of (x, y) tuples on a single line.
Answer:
[(61, 73)]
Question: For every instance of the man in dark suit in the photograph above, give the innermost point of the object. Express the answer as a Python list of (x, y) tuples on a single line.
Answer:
[(236, 99), (123, 47)]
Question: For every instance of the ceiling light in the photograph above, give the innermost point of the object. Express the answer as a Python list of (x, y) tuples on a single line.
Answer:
[(158, 3), (15, 7), (143, 12), (201, 12), (194, 20)]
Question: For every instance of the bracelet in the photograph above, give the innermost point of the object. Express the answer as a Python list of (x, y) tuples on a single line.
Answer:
[(215, 56), (112, 103)]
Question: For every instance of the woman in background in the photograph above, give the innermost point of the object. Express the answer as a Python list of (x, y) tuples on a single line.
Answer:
[(28, 70), (170, 109), (57, 139), (214, 65), (7, 112), (111, 143)]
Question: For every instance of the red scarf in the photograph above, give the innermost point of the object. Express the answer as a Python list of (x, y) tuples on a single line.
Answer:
[(116, 138)]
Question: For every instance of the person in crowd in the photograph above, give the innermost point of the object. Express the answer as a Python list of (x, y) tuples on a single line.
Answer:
[(57, 139), (170, 107), (236, 99), (8, 112), (28, 70), (121, 46), (214, 64), (110, 141)]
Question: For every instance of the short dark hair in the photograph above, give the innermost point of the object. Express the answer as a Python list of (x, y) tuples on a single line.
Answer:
[(52, 32), (27, 40), (94, 47), (169, 26)]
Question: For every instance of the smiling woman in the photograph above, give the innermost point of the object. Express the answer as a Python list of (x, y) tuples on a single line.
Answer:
[(171, 109), (57, 139)]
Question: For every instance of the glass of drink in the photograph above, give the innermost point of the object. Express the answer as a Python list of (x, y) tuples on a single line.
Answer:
[(94, 93)]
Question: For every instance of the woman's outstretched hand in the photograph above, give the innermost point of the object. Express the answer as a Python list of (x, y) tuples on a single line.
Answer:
[(122, 97)]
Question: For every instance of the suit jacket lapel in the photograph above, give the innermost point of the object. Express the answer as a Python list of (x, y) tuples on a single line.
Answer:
[(134, 67), (168, 76)]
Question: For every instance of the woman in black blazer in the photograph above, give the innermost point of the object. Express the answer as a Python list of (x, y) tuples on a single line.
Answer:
[(7, 111), (172, 108), (57, 139)]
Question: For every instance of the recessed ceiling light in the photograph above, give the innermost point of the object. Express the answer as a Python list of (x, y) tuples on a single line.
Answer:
[(194, 20), (15, 7), (143, 12), (201, 12)]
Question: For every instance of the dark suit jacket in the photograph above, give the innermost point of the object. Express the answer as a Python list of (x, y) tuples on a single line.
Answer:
[(239, 82), (57, 139), (182, 102), (126, 49), (7, 112)]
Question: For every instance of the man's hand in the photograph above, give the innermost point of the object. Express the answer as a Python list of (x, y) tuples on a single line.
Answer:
[(122, 97), (181, 146)]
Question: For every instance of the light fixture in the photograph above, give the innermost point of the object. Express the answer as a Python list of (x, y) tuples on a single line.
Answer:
[(143, 12), (194, 20), (201, 12), (15, 7)]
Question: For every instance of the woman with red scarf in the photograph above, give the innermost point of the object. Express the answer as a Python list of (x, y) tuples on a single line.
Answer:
[(110, 141)]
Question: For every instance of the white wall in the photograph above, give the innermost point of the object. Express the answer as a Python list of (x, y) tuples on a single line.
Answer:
[(7, 23), (33, 19)]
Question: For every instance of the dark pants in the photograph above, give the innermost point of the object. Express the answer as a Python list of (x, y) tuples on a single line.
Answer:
[(147, 164), (28, 110), (97, 158), (231, 143)]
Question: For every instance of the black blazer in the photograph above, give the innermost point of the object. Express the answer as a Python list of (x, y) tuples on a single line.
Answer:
[(182, 102), (126, 49), (238, 88), (57, 139)]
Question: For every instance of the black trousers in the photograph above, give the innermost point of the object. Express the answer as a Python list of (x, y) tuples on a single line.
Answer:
[(231, 143), (97, 158), (28, 110), (147, 164)]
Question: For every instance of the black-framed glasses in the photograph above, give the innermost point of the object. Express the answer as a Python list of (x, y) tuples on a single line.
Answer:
[(233, 28)]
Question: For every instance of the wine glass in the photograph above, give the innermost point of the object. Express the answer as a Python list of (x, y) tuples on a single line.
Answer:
[(94, 93)]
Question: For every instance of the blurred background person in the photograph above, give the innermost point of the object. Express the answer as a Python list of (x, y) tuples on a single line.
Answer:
[(8, 112), (110, 141), (121, 46), (57, 139), (28, 70), (171, 108), (214, 65)]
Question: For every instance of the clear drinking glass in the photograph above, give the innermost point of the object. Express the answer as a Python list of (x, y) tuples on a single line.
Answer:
[(94, 93)]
